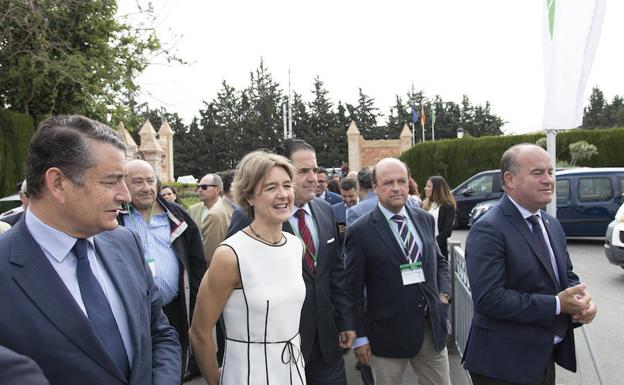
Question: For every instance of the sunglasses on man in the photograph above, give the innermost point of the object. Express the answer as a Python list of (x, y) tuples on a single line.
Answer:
[(205, 186)]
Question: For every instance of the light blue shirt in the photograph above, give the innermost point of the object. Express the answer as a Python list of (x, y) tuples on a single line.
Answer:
[(525, 214), (156, 239), (361, 341), (56, 246)]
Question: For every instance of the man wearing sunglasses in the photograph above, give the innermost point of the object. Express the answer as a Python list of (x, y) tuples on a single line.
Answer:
[(212, 214)]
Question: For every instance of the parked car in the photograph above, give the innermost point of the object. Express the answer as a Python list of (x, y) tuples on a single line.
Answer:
[(614, 239), (587, 200), (478, 188)]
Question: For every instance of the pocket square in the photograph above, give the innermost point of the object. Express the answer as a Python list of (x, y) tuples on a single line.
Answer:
[(331, 240)]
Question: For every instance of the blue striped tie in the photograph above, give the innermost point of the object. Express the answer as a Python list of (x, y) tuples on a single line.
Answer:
[(409, 243), (98, 309)]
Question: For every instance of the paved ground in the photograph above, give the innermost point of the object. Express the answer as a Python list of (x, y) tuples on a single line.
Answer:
[(606, 284)]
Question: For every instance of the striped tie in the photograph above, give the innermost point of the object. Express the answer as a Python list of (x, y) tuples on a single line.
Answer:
[(409, 243), (306, 236)]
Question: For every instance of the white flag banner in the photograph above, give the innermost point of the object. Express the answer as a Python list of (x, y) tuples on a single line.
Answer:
[(571, 34)]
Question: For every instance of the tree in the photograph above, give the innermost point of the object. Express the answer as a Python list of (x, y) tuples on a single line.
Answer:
[(70, 56), (365, 115), (594, 115), (580, 151)]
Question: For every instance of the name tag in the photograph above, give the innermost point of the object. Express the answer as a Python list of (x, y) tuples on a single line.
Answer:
[(412, 273)]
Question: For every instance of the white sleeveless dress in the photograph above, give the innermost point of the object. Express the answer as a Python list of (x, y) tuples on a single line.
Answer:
[(262, 345)]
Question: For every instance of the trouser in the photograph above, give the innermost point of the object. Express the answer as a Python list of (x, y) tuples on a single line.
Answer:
[(431, 367)]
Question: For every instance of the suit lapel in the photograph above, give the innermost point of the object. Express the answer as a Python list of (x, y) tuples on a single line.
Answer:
[(51, 297), (382, 227), (117, 269), (519, 223), (560, 259)]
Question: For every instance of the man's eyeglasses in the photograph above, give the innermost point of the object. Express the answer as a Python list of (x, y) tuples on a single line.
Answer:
[(205, 186)]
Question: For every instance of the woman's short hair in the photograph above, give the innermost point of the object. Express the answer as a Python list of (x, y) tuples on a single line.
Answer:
[(251, 170)]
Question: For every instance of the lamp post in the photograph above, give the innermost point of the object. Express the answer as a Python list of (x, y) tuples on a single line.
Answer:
[(460, 133)]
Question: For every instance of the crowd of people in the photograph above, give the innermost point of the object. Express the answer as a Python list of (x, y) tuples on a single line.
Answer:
[(105, 278)]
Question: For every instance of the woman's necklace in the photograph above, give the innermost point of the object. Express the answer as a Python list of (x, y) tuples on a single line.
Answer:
[(264, 239)]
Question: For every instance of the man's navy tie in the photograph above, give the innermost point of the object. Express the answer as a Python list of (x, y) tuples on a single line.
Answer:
[(409, 243), (561, 324), (98, 309)]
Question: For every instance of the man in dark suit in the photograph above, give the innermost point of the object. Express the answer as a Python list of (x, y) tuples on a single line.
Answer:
[(348, 192), (525, 294), (326, 321), (173, 247), (16, 369), (392, 252), (76, 293), (321, 188)]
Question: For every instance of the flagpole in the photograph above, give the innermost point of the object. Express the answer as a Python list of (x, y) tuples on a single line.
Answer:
[(433, 117), (422, 121), (290, 132)]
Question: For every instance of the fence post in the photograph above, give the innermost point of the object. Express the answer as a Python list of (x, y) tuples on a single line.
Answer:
[(451, 344)]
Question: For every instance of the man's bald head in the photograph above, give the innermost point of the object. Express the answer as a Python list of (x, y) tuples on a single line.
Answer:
[(142, 182)]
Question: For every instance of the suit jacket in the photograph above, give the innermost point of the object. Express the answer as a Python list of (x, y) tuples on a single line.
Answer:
[(327, 309), (513, 290), (215, 226), (332, 198), (394, 322), (41, 320), (16, 369), (187, 246), (364, 206), (194, 211)]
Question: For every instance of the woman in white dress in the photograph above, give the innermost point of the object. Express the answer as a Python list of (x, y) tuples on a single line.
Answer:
[(255, 280), (440, 203)]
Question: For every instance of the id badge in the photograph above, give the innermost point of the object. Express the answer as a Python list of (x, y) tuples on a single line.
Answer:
[(412, 273), (152, 265)]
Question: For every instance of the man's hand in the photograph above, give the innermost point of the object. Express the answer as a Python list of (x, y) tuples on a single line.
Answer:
[(342, 229), (587, 315), (574, 300), (346, 339), (363, 354), (444, 298)]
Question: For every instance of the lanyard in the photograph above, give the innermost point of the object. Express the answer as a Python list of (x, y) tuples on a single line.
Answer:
[(313, 233), (397, 236)]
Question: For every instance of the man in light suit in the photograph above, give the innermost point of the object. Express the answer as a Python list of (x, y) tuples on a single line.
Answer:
[(326, 318), (366, 194), (392, 252), (525, 294), (76, 293), (212, 215), (16, 369), (321, 188)]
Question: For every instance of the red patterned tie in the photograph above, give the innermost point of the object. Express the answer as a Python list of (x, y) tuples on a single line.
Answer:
[(306, 236)]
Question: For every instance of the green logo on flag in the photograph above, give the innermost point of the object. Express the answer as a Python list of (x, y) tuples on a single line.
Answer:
[(550, 4)]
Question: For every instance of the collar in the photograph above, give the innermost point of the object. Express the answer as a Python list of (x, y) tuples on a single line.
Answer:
[(57, 243), (524, 212), (305, 207), (389, 214), (322, 196), (370, 194)]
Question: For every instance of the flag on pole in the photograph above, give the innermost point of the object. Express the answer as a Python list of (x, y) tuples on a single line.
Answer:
[(414, 115), (423, 117), (570, 35), (433, 116)]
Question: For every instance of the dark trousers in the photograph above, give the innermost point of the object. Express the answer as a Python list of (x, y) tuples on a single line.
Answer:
[(366, 373), (318, 372), (547, 379)]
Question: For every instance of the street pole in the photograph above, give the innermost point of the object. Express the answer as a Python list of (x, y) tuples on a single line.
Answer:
[(551, 146), (290, 132)]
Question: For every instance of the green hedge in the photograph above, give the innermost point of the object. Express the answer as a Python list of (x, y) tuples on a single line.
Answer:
[(458, 159), (16, 129)]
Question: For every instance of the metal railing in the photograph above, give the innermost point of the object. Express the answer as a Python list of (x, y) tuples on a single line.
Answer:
[(462, 310)]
